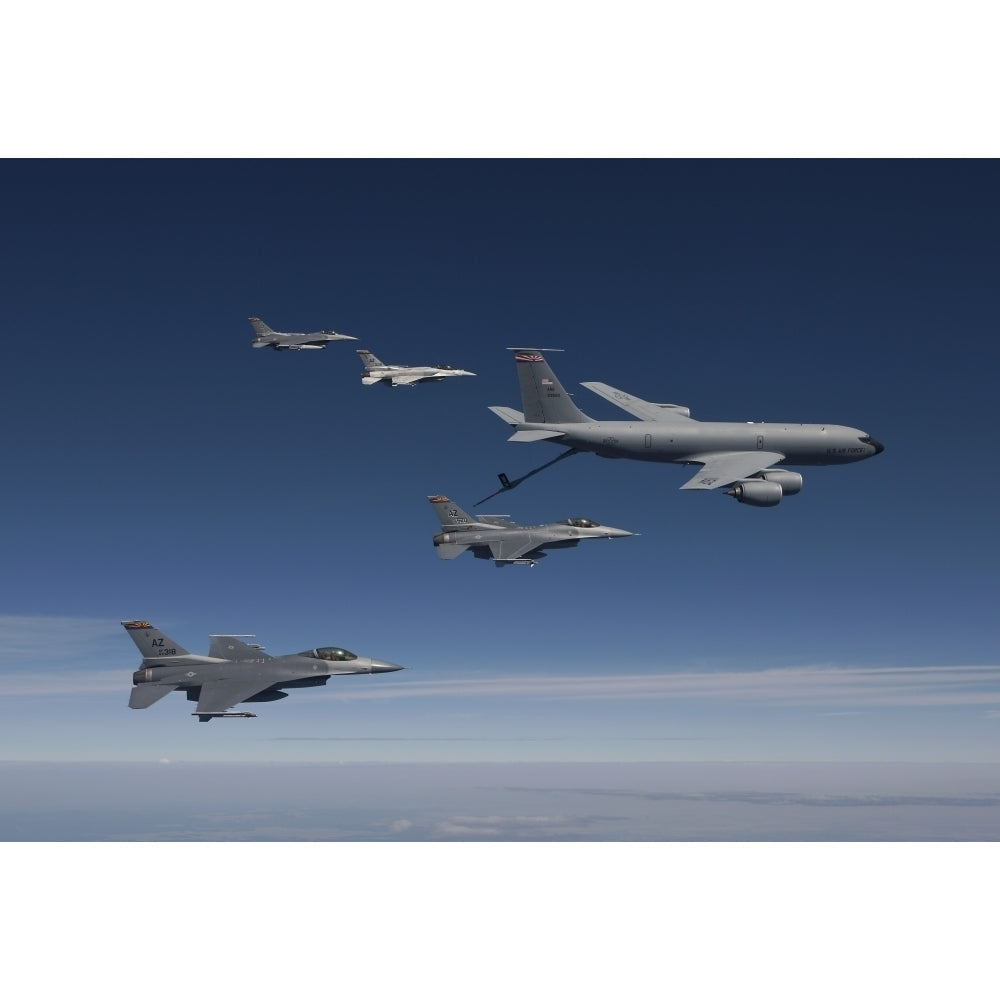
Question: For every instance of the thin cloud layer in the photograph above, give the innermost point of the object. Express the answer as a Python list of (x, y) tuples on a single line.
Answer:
[(58, 682), (68, 644), (806, 685), (42, 655), (854, 687), (28, 638)]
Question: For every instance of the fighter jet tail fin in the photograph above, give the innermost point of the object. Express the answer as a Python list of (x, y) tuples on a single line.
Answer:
[(369, 360), (260, 327), (544, 399), (450, 514), (152, 642)]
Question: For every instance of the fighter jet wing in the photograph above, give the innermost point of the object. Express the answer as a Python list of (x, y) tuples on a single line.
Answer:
[(406, 379), (726, 467), (500, 520), (232, 647), (641, 408), (505, 549), (220, 696)]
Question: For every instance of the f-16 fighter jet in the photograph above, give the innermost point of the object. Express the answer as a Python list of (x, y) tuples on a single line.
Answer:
[(498, 538), (738, 457), (376, 371), (264, 336), (233, 672)]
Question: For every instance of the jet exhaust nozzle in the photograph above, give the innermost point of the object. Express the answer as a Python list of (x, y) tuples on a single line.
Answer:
[(757, 493)]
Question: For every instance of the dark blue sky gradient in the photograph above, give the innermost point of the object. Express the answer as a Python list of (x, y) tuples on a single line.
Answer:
[(158, 467)]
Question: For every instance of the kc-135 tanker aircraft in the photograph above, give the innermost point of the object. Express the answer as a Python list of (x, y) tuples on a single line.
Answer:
[(497, 537), (264, 336), (234, 671), (740, 456)]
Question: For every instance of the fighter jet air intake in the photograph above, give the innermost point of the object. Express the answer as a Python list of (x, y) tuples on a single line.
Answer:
[(376, 371), (233, 672), (739, 457), (498, 538), (264, 336)]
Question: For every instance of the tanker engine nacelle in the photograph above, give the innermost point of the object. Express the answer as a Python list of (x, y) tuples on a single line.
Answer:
[(767, 489), (790, 482)]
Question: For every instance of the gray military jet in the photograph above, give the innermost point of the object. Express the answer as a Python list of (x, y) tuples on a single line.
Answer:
[(498, 538), (740, 456), (233, 672), (376, 371), (264, 336)]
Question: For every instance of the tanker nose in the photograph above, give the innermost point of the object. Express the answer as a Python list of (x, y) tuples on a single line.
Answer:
[(877, 445)]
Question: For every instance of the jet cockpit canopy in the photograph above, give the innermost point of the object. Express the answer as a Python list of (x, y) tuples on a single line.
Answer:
[(329, 653), (581, 522)]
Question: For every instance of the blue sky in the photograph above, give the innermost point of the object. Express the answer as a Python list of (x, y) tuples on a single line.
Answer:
[(158, 467)]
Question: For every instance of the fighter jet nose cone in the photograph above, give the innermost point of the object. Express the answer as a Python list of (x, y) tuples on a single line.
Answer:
[(384, 667)]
